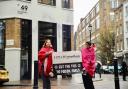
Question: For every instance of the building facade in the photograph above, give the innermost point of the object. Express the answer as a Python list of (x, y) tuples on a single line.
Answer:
[(83, 34), (111, 16), (25, 24), (125, 32)]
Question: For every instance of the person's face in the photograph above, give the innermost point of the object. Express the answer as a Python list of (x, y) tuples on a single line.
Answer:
[(48, 43), (87, 45)]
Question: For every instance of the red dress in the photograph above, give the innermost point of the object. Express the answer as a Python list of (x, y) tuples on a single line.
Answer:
[(44, 60)]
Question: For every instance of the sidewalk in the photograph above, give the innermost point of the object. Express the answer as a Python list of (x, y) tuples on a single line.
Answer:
[(107, 82), (75, 80)]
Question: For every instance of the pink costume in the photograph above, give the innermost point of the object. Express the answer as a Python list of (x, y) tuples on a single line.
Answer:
[(88, 60)]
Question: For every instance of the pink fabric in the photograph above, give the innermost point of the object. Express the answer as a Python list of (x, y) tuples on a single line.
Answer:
[(88, 60), (46, 61)]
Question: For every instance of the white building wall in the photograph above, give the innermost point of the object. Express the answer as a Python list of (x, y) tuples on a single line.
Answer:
[(12, 63), (125, 17), (35, 12)]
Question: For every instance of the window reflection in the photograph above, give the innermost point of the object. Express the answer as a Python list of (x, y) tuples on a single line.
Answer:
[(48, 2), (2, 27), (66, 38)]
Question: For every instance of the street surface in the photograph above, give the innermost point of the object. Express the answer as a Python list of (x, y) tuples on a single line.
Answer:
[(106, 82)]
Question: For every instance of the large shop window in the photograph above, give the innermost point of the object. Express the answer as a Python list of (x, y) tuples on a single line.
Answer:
[(47, 31), (2, 42), (67, 3), (66, 37), (26, 49), (48, 2)]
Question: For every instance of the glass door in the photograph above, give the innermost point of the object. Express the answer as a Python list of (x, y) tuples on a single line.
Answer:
[(26, 49), (2, 42)]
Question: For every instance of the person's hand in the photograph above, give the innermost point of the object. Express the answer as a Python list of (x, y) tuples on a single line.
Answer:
[(51, 74), (50, 52)]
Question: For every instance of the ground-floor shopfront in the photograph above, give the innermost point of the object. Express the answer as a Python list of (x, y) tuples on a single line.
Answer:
[(21, 39)]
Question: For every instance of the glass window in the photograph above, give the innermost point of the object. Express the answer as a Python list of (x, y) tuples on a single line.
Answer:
[(117, 31), (127, 26), (83, 34), (1, 34), (2, 28), (47, 30), (67, 3), (97, 8), (127, 42), (83, 23), (80, 36), (26, 49), (126, 10), (66, 37), (117, 46), (48, 2), (113, 4), (121, 15), (97, 23), (121, 45), (121, 29), (26, 0), (112, 16)]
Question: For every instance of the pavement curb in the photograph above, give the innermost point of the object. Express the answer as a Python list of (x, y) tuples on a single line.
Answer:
[(98, 80)]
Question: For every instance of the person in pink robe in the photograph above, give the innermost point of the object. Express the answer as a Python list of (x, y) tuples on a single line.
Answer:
[(88, 63)]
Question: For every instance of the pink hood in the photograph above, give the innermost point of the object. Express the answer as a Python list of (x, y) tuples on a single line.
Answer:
[(88, 60)]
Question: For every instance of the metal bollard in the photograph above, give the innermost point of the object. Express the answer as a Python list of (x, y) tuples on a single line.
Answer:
[(116, 77), (35, 86)]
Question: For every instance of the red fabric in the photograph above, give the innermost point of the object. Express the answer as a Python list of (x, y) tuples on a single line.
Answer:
[(39, 67), (46, 61), (88, 60)]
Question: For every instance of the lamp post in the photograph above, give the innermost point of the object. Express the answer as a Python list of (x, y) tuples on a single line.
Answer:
[(90, 29), (115, 63)]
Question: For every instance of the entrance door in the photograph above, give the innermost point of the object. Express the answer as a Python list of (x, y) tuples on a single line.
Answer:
[(47, 31), (2, 42), (26, 49)]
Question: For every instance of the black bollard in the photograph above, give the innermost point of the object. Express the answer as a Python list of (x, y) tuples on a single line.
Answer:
[(116, 77), (35, 86)]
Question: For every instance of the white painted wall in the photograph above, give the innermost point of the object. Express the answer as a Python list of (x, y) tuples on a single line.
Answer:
[(12, 63), (36, 11)]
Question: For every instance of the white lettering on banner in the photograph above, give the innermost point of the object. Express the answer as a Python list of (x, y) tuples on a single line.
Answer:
[(70, 68), (66, 57)]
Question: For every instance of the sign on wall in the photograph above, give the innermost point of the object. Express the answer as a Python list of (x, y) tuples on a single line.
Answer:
[(67, 62), (22, 8)]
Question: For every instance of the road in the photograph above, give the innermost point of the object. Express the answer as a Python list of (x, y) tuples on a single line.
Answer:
[(107, 82)]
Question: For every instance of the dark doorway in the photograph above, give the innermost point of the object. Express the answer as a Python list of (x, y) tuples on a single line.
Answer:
[(2, 42), (47, 31), (26, 49)]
